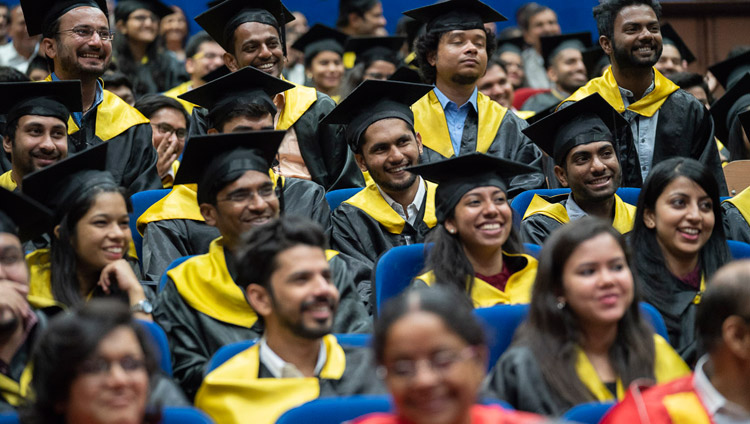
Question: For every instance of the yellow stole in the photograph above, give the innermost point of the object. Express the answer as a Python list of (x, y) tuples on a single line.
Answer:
[(16, 392), (233, 393), (607, 87), (40, 289), (429, 121), (623, 221), (740, 201), (372, 202), (296, 102), (179, 90), (686, 408), (6, 181)]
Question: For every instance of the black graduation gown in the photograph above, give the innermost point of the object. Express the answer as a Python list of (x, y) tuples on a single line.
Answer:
[(735, 224), (542, 101), (172, 73), (13, 385)]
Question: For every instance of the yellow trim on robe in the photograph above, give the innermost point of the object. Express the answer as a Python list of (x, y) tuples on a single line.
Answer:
[(607, 87), (742, 202), (517, 289), (233, 393), (430, 122), (668, 366), (16, 392), (40, 289), (623, 221), (6, 181), (686, 407), (373, 204), (524, 114), (349, 59), (296, 102), (179, 90)]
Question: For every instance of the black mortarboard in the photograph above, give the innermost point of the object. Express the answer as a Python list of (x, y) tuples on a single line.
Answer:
[(729, 71), (538, 116), (594, 59), (40, 14), (585, 121), (370, 49), (57, 99), (217, 159), (406, 74), (458, 175), (221, 20), (670, 36), (515, 45), (372, 101), (67, 181), (320, 38), (246, 86), (744, 118), (455, 15), (124, 8), (552, 45), (22, 215), (216, 73), (725, 109)]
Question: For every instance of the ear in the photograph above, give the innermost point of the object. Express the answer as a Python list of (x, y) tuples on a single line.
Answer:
[(212, 131), (418, 136), (56, 231), (552, 74), (259, 299), (210, 214), (49, 47), (231, 62), (561, 175), (606, 44), (736, 335), (649, 219), (7, 145), (432, 57), (190, 65), (121, 27), (360, 161), (450, 225)]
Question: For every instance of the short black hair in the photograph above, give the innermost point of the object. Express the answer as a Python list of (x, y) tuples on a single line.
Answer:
[(689, 80), (116, 79), (528, 11), (149, 104), (606, 12), (728, 294), (10, 74), (360, 7), (428, 43), (248, 110), (37, 62), (194, 43)]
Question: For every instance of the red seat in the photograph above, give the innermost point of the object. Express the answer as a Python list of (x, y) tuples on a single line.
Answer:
[(522, 94)]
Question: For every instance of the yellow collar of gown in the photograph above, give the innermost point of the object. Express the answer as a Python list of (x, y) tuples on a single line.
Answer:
[(372, 202), (296, 102), (15, 393), (623, 221), (40, 289), (6, 181), (740, 201)]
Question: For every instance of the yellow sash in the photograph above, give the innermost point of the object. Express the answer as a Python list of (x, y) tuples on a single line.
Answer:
[(686, 408), (524, 114), (296, 102), (372, 202), (429, 121), (6, 181), (40, 289), (623, 221), (607, 87), (740, 201), (182, 89), (16, 392), (233, 393)]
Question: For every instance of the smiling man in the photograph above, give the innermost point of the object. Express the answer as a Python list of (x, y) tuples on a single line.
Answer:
[(664, 121), (581, 139)]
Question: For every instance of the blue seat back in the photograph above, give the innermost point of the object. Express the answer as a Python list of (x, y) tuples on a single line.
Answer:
[(532, 249), (395, 270), (169, 415), (142, 201), (335, 197), (588, 413), (500, 323), (163, 279), (335, 410), (739, 249), (161, 345), (652, 315), (9, 418), (629, 194)]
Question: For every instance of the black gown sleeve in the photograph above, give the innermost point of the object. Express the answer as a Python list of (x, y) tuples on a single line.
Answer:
[(735, 226)]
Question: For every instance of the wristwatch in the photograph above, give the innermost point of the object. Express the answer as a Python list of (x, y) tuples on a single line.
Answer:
[(143, 306)]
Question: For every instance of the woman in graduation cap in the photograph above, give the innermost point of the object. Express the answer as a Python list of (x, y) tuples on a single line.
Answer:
[(137, 51), (476, 246), (324, 58), (376, 58)]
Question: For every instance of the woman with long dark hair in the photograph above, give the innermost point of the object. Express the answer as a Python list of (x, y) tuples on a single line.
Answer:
[(585, 339), (476, 248), (324, 58), (679, 243)]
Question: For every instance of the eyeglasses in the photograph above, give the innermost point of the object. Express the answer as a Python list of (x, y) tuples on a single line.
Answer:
[(440, 363), (101, 366), (244, 196), (88, 32), (209, 56), (143, 18), (165, 128)]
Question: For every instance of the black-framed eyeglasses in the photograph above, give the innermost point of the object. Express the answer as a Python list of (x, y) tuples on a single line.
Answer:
[(165, 128), (86, 33), (100, 366), (244, 196)]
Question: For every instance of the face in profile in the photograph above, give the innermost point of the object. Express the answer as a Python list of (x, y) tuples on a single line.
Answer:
[(482, 219)]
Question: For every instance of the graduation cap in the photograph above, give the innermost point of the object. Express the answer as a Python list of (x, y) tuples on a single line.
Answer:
[(41, 14), (57, 99), (406, 74), (586, 121), (245, 86), (67, 181), (370, 49), (538, 116), (320, 38), (222, 19), (215, 160), (216, 73), (372, 101), (125, 7), (594, 58), (514, 45), (453, 15), (725, 109), (729, 71), (22, 215), (458, 175), (554, 44), (670, 37)]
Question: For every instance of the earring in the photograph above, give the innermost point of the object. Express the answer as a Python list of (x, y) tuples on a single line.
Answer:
[(452, 230), (561, 304)]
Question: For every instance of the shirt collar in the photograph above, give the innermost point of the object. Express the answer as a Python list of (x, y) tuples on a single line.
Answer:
[(629, 97), (574, 211), (279, 368), (417, 202), (445, 101), (98, 98), (714, 401)]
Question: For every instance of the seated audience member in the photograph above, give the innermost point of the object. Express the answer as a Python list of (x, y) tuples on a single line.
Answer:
[(477, 248), (201, 307), (675, 55), (536, 21), (97, 366), (119, 84), (585, 339), (509, 54), (323, 48), (719, 389), (36, 129), (679, 243), (563, 60), (399, 207), (730, 129), (435, 327), (169, 122), (88, 256), (37, 69), (496, 84), (478, 124), (23, 46), (582, 139), (361, 18), (736, 213), (204, 55), (173, 30), (238, 102), (375, 58), (287, 280)]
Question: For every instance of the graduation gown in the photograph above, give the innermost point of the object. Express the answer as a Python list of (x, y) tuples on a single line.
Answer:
[(174, 227), (545, 214), (543, 101), (14, 388), (494, 132), (242, 389), (736, 214), (684, 126), (6, 181), (517, 289), (172, 73), (323, 147), (201, 309), (366, 226), (517, 379), (182, 89)]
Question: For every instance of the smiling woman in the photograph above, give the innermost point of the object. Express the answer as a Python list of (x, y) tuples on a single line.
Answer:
[(324, 64)]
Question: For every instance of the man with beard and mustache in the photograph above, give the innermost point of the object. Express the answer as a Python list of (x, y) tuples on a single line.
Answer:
[(581, 139), (200, 307), (253, 35), (399, 208), (78, 44), (664, 120), (36, 133), (454, 118), (283, 272)]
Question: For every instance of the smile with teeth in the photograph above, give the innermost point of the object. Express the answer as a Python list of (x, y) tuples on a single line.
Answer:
[(113, 249), (266, 66), (90, 55), (599, 180), (490, 226), (690, 231)]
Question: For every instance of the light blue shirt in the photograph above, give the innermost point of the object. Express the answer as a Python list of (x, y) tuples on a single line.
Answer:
[(643, 128), (78, 116), (455, 116)]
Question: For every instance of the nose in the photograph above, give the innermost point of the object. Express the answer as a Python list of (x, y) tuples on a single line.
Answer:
[(116, 376), (257, 203), (424, 375), (265, 52), (693, 212), (597, 166)]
